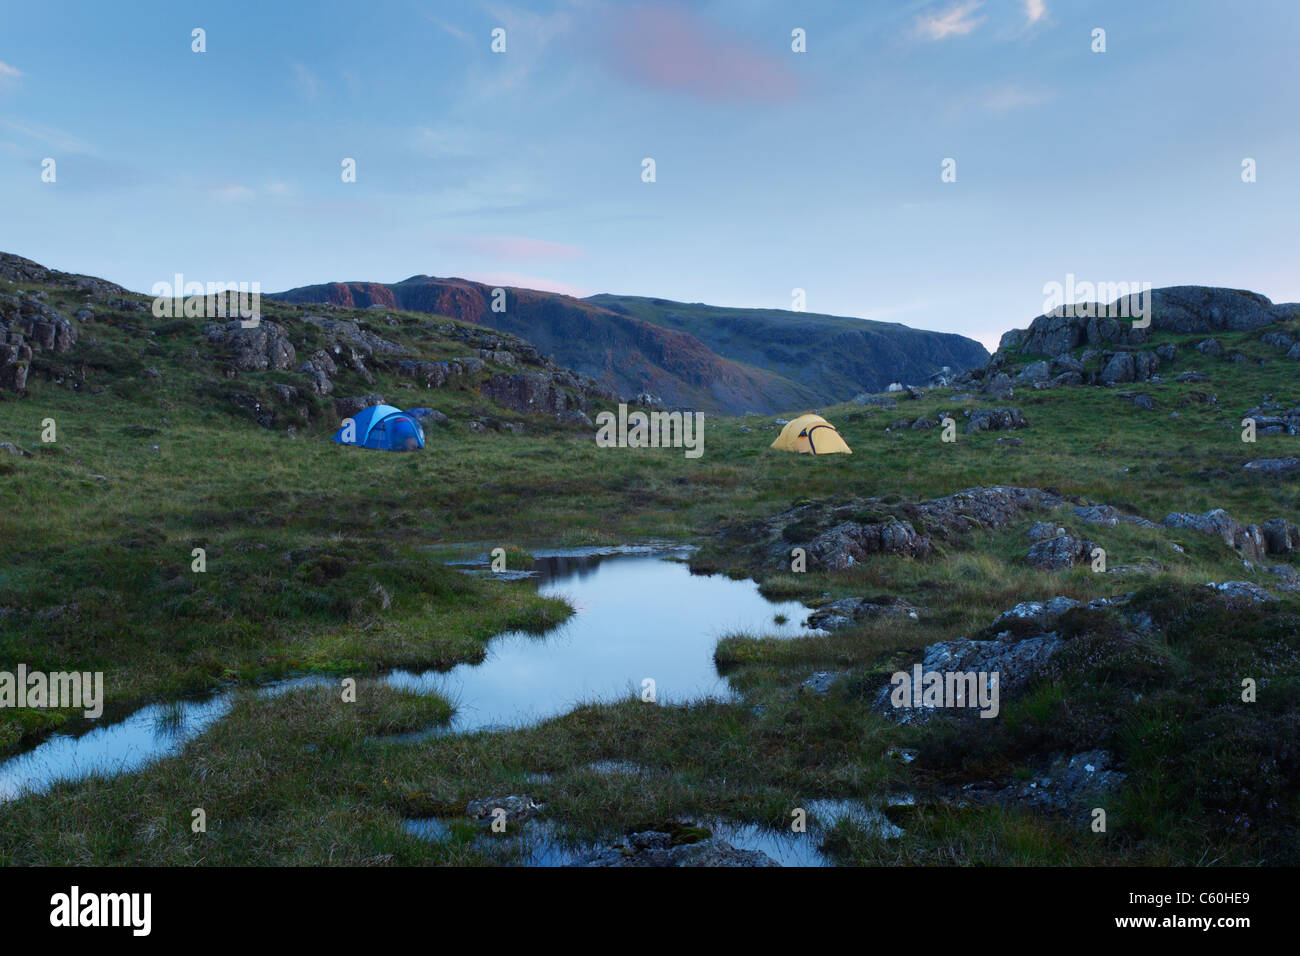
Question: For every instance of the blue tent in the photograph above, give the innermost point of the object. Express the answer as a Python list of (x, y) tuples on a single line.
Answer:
[(383, 427)]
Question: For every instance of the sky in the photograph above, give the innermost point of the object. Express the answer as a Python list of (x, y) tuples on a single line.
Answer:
[(774, 170)]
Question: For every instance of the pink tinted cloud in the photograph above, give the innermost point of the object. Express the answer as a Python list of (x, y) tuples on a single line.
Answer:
[(515, 247), (518, 281), (671, 48)]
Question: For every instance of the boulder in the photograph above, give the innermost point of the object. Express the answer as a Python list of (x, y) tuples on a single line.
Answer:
[(341, 332), (1066, 379), (429, 415), (996, 419), (1107, 516), (1040, 614), (1032, 373), (15, 360), (1059, 552), (849, 611), (433, 374), (515, 808), (1217, 522), (575, 417), (998, 386), (656, 849), (348, 407), (264, 346), (1280, 536), (1273, 466), (846, 544), (528, 392), (1067, 363), (1044, 529), (1241, 592), (1117, 367)]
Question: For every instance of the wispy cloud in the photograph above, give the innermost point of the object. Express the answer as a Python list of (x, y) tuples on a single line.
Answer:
[(439, 143), (232, 192), (449, 28), (520, 281), (9, 75), (1013, 96), (50, 136), (673, 48), (1035, 10), (529, 35), (957, 20), (306, 81), (514, 247)]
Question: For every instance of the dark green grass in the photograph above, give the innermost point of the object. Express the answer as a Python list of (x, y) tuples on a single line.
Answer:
[(326, 559)]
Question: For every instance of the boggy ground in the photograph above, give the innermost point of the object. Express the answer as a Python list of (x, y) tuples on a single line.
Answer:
[(318, 560)]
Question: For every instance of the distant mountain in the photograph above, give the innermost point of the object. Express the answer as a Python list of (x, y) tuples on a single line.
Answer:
[(690, 355), (837, 356)]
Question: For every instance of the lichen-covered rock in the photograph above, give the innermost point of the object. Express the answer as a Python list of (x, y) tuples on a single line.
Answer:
[(654, 848), (1273, 466), (1059, 552), (529, 392), (1280, 536), (264, 346), (996, 419), (343, 332), (15, 360), (349, 407), (513, 808), (998, 387), (846, 544), (849, 611), (1107, 516)]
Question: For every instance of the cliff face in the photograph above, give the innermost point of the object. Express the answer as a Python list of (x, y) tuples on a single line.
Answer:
[(729, 360)]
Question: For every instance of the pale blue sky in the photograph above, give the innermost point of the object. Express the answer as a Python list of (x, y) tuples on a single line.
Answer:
[(775, 169)]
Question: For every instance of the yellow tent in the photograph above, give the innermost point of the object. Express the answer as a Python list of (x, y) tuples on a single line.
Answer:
[(811, 433)]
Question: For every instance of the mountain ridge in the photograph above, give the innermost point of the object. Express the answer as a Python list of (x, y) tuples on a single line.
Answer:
[(682, 352)]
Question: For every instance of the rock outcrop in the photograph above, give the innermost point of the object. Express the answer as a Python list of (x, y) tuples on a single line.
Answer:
[(838, 535), (1248, 539), (1182, 309), (261, 347), (655, 848), (28, 325)]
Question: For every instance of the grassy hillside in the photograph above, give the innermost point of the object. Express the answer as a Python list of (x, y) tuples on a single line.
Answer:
[(325, 559), (833, 356)]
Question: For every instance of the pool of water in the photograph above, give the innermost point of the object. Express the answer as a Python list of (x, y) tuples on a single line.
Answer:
[(540, 843), (639, 613), (637, 617), (149, 733), (121, 746)]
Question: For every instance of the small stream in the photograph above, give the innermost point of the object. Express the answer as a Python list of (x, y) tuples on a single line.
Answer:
[(639, 614)]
